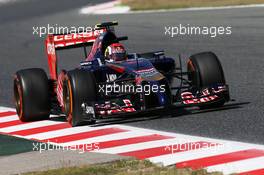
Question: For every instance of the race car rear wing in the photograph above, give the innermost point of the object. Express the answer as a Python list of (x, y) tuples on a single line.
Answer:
[(56, 42), (65, 41), (72, 39)]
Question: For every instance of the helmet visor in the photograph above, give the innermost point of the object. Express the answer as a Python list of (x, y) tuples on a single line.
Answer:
[(119, 56)]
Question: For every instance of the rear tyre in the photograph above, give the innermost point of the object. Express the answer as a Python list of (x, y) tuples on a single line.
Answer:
[(31, 93), (206, 71), (79, 87)]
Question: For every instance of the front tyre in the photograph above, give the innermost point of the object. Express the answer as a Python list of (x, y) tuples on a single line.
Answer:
[(31, 93), (205, 70), (79, 88)]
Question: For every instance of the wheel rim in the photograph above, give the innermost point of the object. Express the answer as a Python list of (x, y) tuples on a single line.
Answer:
[(18, 99), (192, 74), (67, 98)]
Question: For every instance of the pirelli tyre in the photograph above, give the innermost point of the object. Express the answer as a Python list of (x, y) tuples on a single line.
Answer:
[(205, 70), (79, 92), (31, 93)]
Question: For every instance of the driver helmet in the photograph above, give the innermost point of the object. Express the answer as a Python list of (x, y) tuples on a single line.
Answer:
[(115, 52)]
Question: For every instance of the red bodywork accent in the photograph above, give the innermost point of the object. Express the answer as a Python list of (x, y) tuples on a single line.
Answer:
[(189, 97), (52, 57), (117, 68), (60, 80)]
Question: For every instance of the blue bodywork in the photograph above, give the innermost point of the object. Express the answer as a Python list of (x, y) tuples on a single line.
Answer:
[(143, 70)]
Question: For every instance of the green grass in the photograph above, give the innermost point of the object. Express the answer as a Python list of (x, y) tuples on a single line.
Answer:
[(13, 145), (171, 4), (123, 167)]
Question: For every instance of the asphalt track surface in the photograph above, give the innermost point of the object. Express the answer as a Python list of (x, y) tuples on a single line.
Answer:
[(241, 55)]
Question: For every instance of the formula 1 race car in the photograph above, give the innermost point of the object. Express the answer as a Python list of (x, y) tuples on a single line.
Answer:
[(111, 82)]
